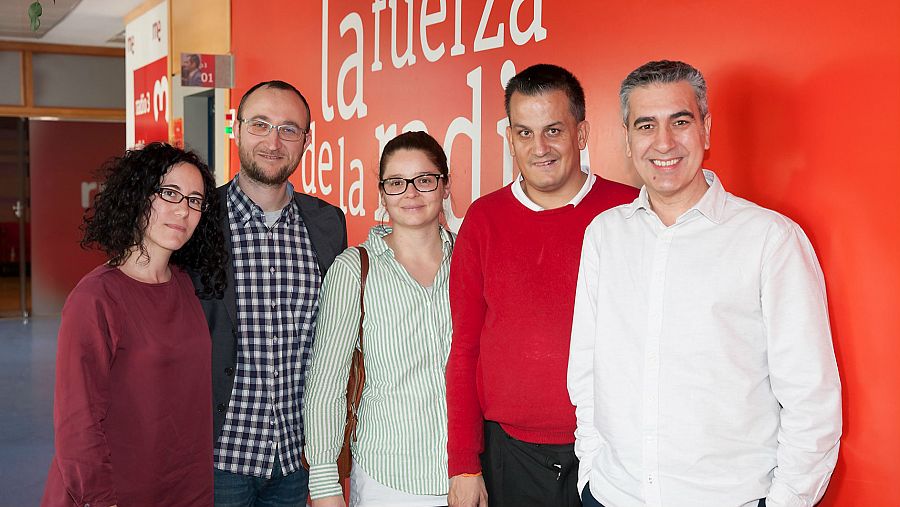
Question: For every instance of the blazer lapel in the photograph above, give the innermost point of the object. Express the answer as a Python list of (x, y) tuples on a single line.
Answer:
[(318, 223)]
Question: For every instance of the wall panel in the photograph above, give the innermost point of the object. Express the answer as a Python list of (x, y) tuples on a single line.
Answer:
[(804, 100), (64, 159)]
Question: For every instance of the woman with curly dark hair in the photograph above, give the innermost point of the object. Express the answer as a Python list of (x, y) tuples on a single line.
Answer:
[(132, 408)]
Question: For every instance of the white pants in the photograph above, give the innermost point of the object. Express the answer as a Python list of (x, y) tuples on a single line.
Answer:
[(367, 492)]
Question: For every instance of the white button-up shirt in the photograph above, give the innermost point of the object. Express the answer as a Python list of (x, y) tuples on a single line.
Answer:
[(701, 364)]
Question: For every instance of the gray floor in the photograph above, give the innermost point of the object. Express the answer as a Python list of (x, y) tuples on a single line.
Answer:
[(27, 360)]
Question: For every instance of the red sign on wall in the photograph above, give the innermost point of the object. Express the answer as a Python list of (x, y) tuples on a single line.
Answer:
[(151, 98), (372, 69)]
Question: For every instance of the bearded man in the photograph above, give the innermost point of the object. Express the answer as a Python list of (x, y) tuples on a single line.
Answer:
[(280, 243)]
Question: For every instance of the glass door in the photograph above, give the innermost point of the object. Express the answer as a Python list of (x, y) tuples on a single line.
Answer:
[(15, 262)]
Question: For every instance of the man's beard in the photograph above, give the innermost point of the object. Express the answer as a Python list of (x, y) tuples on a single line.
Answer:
[(251, 169)]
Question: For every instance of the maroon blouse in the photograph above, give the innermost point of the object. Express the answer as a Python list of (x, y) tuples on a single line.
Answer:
[(133, 403)]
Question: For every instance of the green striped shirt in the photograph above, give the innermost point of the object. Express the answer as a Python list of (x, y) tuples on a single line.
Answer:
[(402, 431)]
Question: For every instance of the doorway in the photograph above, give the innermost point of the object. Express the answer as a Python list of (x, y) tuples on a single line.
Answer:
[(199, 125), (15, 258)]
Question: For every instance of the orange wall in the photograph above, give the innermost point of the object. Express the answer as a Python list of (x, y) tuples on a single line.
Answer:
[(805, 103)]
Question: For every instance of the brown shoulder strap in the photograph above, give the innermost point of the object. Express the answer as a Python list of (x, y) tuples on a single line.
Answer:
[(363, 274)]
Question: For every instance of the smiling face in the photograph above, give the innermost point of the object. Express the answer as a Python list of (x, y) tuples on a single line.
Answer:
[(666, 139), (171, 225), (413, 209), (546, 140), (268, 159)]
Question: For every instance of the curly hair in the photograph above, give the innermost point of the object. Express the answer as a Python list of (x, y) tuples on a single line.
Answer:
[(116, 221)]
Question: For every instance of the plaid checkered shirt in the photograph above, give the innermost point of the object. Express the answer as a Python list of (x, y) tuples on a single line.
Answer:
[(277, 281)]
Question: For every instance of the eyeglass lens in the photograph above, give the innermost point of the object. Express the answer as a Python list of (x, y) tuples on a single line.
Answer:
[(175, 197), (423, 183), (285, 132)]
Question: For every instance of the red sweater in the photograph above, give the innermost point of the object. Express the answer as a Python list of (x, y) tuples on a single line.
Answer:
[(133, 405), (512, 291)]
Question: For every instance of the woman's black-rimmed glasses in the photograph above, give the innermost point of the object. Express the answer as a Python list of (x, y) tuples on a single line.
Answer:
[(422, 182), (173, 196)]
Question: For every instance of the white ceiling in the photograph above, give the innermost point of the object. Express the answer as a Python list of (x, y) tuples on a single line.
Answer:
[(79, 22)]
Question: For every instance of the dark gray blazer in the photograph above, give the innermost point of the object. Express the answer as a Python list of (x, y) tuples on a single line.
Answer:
[(327, 229)]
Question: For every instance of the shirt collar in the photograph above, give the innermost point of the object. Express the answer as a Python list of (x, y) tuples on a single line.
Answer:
[(242, 209), (711, 205), (526, 201), (377, 246), (641, 202)]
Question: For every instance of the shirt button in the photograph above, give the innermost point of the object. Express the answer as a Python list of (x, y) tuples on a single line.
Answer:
[(273, 303), (272, 270), (650, 479), (274, 338), (276, 373)]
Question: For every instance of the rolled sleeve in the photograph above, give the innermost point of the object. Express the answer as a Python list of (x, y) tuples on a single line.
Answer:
[(324, 481)]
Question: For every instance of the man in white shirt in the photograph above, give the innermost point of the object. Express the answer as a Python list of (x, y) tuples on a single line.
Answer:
[(701, 363)]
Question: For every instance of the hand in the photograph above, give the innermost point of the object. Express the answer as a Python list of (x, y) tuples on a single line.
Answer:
[(329, 501), (467, 492)]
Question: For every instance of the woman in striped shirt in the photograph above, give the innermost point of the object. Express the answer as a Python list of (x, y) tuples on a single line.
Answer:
[(400, 456)]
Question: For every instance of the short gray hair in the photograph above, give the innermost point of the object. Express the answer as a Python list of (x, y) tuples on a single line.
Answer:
[(663, 72)]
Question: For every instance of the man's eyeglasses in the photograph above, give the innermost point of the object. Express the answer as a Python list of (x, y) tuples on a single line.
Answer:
[(285, 132), (423, 183), (171, 195)]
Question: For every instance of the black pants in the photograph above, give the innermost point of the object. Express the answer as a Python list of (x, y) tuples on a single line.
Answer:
[(522, 474), (590, 501)]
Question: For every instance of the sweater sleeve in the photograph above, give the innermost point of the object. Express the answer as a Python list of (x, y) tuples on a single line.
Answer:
[(85, 353), (468, 308), (324, 406)]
